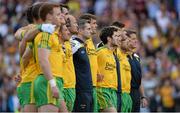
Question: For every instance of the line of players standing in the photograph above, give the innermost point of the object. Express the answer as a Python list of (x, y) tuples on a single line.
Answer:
[(62, 70)]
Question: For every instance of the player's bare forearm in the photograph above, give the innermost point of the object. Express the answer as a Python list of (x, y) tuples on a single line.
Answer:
[(20, 31), (26, 57), (31, 34), (142, 90), (22, 47), (18, 34), (44, 63)]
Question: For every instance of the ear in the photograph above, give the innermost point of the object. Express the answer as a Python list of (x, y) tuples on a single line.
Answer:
[(49, 17), (80, 30), (109, 39)]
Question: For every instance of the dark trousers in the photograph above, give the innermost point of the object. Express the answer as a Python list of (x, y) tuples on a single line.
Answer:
[(83, 102), (118, 101), (135, 95), (165, 109)]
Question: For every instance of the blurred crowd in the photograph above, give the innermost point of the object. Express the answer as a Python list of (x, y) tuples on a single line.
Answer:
[(156, 21)]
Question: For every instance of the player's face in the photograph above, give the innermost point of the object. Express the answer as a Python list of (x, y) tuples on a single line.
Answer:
[(93, 26), (73, 28), (56, 16), (121, 36), (125, 43), (115, 38), (65, 11), (62, 18), (65, 33), (134, 41), (87, 30)]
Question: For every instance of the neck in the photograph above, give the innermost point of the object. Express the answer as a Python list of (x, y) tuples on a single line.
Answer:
[(126, 51), (111, 47), (48, 21), (81, 37), (61, 40), (74, 34), (133, 50), (37, 22), (94, 35), (123, 51)]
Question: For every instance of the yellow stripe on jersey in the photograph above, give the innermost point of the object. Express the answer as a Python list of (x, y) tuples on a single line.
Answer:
[(68, 71), (32, 93), (125, 70), (91, 51), (50, 42), (107, 67), (50, 97)]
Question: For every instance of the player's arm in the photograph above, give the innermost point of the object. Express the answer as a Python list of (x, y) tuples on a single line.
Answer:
[(21, 31), (43, 51), (31, 34), (18, 34), (43, 58), (144, 99), (43, 55), (26, 57), (100, 77)]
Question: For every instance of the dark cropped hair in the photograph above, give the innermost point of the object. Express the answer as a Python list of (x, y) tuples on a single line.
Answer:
[(118, 24), (63, 6), (87, 16), (46, 9), (28, 14), (36, 10), (82, 22), (129, 32), (107, 32)]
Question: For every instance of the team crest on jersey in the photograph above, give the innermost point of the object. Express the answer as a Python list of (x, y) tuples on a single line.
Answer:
[(91, 51), (109, 66), (82, 52)]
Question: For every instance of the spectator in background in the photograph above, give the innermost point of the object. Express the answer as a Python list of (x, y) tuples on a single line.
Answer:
[(148, 30), (162, 18), (152, 8), (166, 93)]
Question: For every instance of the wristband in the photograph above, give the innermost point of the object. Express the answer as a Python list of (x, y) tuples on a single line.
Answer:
[(52, 83)]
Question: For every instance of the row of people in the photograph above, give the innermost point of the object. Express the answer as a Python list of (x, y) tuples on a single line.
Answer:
[(61, 70)]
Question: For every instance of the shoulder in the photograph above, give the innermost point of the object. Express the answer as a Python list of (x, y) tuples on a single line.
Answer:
[(75, 45), (136, 56), (101, 50), (67, 45), (43, 35), (100, 44)]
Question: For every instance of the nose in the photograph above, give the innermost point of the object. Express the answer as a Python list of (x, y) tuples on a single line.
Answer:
[(62, 15)]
